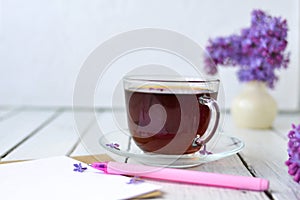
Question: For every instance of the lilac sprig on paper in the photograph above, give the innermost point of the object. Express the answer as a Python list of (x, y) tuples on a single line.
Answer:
[(293, 162), (258, 50), (79, 168)]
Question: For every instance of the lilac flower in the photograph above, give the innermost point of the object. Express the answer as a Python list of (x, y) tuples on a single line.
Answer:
[(204, 151), (258, 50), (79, 168), (113, 145), (135, 180), (293, 162)]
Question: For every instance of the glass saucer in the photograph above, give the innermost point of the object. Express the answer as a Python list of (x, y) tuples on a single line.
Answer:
[(121, 143)]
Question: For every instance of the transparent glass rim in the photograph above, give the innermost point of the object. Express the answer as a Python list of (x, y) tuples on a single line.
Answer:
[(168, 78)]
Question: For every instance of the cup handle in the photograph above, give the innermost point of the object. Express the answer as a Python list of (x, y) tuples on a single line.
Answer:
[(214, 108)]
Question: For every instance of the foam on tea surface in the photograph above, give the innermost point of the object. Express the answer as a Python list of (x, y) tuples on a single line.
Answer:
[(170, 89)]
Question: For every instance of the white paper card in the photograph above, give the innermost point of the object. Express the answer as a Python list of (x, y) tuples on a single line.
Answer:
[(54, 178)]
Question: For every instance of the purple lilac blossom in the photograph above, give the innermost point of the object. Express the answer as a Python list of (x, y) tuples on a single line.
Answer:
[(204, 151), (293, 162), (113, 146), (257, 50)]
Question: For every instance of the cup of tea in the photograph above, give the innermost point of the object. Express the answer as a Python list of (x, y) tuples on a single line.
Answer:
[(171, 115)]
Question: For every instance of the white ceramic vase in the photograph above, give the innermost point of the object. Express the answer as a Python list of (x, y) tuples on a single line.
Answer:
[(254, 107)]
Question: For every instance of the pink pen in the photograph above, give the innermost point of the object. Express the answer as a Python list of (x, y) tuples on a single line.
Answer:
[(184, 176)]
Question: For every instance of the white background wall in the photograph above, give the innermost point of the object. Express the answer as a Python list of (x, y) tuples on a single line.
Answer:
[(44, 43)]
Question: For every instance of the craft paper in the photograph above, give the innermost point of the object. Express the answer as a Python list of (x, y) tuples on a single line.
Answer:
[(54, 178)]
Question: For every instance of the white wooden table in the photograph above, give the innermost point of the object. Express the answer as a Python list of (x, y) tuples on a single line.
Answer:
[(31, 133)]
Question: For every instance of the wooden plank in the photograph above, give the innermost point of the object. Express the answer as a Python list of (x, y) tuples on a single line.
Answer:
[(5, 113), (89, 142), (89, 145), (58, 138), (264, 155), (93, 158), (86, 159), (177, 191), (18, 128), (283, 123)]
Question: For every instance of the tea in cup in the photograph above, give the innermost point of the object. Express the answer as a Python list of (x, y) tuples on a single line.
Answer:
[(171, 115)]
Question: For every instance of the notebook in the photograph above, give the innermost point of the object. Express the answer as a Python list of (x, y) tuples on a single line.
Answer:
[(55, 178)]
